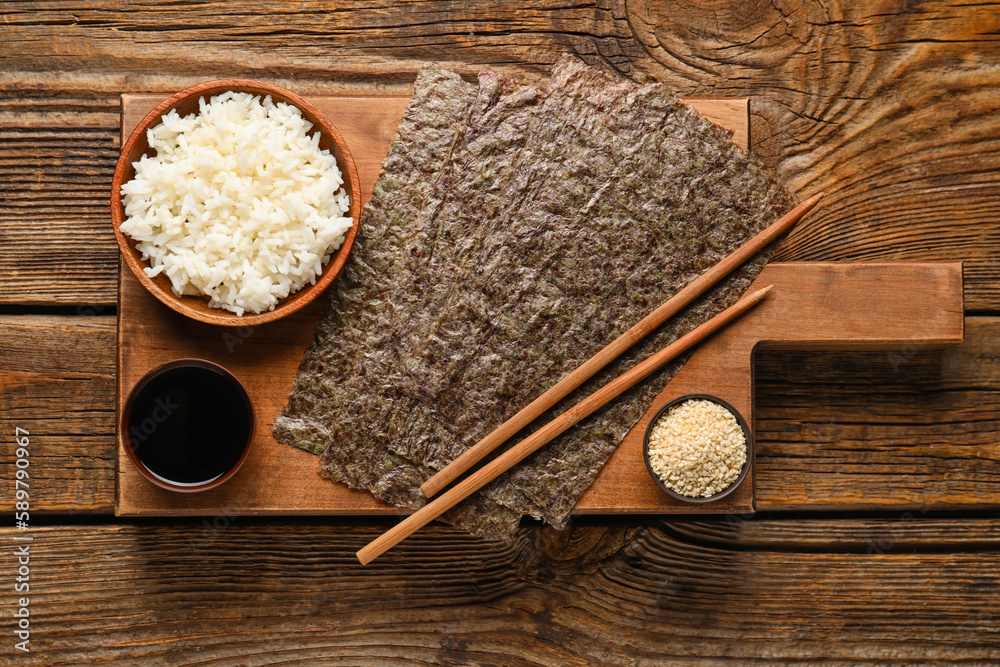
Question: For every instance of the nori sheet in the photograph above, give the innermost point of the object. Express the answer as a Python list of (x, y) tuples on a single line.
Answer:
[(560, 216), (340, 395)]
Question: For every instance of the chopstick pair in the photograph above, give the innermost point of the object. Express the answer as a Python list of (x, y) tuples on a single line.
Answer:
[(593, 402)]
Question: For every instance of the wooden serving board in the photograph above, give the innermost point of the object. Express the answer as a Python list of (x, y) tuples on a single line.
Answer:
[(813, 305)]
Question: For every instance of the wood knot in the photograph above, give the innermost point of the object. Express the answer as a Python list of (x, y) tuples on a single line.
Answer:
[(577, 548)]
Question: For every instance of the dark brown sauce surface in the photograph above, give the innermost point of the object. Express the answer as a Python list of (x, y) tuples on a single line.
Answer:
[(189, 425)]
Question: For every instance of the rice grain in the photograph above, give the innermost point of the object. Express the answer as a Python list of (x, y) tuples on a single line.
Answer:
[(239, 204)]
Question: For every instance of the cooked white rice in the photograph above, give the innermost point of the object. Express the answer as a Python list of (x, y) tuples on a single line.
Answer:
[(239, 203)]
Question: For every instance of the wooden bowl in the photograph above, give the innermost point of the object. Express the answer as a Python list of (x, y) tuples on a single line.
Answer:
[(186, 102), (743, 471)]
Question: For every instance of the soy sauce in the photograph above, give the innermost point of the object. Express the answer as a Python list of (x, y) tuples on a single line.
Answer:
[(189, 424)]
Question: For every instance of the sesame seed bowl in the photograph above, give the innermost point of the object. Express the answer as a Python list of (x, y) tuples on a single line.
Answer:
[(698, 448)]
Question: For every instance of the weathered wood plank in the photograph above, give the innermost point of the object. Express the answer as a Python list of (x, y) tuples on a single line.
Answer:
[(883, 429), (55, 176), (882, 105), (820, 306), (887, 106), (241, 593), (58, 383), (898, 430), (888, 111), (907, 531)]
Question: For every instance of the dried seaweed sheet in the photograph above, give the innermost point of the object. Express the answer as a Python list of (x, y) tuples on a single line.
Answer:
[(561, 216), (582, 208), (340, 395)]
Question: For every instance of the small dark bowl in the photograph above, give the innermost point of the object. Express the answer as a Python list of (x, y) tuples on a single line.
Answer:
[(721, 494), (126, 417), (186, 102)]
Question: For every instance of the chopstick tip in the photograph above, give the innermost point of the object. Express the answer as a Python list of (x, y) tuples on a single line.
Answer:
[(760, 294), (811, 201)]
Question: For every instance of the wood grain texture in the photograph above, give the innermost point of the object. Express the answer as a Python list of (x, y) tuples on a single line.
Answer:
[(887, 106), (893, 425), (814, 304), (227, 591), (894, 430), (58, 383), (55, 176), (278, 479)]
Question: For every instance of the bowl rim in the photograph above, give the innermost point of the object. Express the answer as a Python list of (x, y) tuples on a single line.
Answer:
[(746, 465), (218, 316), (126, 412)]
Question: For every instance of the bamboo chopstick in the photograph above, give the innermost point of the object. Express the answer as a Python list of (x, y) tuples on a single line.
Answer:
[(564, 387), (536, 440)]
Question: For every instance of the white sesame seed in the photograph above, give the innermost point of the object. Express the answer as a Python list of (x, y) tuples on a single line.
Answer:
[(697, 448)]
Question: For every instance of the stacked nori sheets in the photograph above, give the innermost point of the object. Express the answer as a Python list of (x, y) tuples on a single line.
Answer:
[(513, 232)]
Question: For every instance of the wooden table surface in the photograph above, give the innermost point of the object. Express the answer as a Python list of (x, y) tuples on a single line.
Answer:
[(878, 473)]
